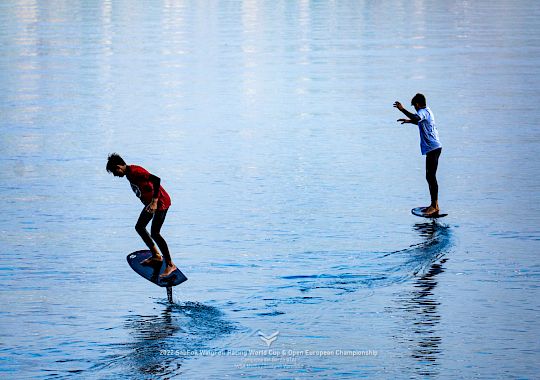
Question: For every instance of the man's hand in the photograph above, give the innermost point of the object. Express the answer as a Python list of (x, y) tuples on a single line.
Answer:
[(152, 206), (412, 118)]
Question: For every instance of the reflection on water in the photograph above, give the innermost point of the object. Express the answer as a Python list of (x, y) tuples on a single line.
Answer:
[(419, 305), (158, 340), (423, 303), (328, 277)]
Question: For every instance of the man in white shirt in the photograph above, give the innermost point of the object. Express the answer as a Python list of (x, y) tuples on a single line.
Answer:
[(430, 146)]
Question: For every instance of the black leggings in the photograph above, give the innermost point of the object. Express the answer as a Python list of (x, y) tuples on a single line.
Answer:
[(432, 161), (157, 222)]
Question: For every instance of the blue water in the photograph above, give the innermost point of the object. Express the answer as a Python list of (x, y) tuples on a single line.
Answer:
[(272, 128)]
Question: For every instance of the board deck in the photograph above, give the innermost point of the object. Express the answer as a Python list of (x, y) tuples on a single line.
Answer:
[(418, 211), (152, 272)]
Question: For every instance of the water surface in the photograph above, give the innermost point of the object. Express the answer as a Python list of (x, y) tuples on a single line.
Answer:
[(272, 128)]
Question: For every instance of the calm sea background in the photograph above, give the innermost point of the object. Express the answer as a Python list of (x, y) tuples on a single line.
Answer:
[(272, 128)]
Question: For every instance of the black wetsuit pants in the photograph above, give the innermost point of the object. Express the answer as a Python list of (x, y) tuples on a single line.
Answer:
[(432, 161), (158, 219)]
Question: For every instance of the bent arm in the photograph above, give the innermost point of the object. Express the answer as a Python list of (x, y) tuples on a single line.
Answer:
[(156, 181), (413, 118)]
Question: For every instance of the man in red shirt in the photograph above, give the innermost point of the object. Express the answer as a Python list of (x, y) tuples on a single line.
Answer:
[(147, 188)]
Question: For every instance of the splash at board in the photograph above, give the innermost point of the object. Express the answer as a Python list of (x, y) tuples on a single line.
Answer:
[(151, 272)]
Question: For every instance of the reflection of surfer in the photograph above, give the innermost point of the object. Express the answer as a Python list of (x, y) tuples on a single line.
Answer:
[(422, 303), (429, 145), (147, 187)]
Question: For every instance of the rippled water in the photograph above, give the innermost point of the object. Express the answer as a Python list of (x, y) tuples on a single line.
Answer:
[(271, 125)]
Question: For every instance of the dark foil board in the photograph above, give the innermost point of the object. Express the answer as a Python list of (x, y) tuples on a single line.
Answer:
[(418, 211), (152, 272)]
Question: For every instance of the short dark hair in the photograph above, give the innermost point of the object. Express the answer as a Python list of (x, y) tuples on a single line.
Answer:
[(420, 99), (114, 160)]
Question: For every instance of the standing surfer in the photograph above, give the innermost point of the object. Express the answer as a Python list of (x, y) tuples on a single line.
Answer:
[(430, 145), (147, 188)]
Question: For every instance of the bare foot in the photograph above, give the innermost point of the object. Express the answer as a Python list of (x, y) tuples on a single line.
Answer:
[(168, 270), (431, 210), (152, 260)]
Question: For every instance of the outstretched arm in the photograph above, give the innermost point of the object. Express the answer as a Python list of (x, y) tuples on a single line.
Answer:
[(405, 121), (412, 118)]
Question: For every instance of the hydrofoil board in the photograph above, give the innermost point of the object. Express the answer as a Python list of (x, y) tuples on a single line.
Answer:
[(152, 272), (419, 211)]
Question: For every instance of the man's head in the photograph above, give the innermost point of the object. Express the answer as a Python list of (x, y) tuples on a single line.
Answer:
[(418, 102), (116, 165)]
